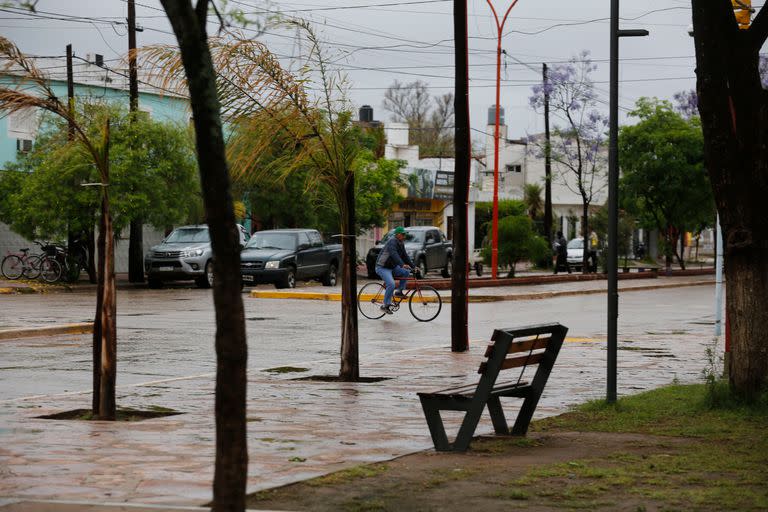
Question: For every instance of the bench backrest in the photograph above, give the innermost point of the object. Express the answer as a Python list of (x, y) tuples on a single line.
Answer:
[(522, 347)]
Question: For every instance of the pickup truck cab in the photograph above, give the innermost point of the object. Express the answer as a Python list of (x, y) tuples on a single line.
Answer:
[(426, 246), (184, 254), (283, 256)]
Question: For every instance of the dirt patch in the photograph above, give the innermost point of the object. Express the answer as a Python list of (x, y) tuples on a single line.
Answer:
[(490, 476), (121, 414)]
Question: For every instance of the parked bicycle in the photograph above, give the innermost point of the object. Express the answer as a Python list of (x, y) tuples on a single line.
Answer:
[(423, 300), (22, 264), (64, 264)]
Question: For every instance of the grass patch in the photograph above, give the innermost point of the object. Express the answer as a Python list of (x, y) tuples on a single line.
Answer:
[(286, 369), (349, 475)]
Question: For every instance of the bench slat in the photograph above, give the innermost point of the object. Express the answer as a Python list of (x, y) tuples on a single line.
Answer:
[(468, 391), (522, 346), (515, 362)]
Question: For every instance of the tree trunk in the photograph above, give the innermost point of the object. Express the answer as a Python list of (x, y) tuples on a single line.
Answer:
[(108, 379), (585, 238), (136, 252), (231, 471), (734, 114), (92, 277), (96, 394), (350, 363)]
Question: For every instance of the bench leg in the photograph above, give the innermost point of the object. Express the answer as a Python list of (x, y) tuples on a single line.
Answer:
[(525, 415), (497, 416), (468, 426), (435, 424)]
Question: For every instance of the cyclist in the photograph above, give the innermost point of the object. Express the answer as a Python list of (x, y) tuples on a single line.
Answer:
[(393, 262)]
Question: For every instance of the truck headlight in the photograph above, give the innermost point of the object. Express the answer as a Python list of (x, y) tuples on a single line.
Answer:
[(192, 253), (272, 264)]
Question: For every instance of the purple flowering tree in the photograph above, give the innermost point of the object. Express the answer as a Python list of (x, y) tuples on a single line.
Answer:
[(578, 145)]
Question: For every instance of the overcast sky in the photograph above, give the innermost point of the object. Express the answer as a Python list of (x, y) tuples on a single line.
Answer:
[(376, 42)]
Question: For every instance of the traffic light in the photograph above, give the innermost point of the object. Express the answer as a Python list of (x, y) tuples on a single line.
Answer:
[(742, 9)]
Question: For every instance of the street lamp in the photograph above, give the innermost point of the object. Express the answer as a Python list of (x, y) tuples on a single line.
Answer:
[(613, 196), (495, 224)]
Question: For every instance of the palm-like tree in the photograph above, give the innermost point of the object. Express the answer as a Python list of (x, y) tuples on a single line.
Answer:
[(268, 108), (532, 198), (32, 91)]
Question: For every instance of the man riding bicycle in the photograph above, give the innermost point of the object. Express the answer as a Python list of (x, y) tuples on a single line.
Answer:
[(393, 262)]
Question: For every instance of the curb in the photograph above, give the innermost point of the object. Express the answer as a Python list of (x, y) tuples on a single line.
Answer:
[(334, 296), (31, 332)]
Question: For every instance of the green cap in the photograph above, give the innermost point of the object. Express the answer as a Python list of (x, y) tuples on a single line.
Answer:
[(399, 230)]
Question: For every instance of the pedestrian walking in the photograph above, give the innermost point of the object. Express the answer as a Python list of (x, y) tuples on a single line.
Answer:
[(561, 253), (594, 242)]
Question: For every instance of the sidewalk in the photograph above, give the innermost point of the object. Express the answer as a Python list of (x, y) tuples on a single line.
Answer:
[(297, 429)]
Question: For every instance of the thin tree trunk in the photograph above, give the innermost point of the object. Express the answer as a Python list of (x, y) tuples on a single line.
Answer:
[(231, 466), (108, 380), (350, 363), (96, 394)]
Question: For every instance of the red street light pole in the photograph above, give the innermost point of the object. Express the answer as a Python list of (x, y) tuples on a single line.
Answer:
[(495, 226)]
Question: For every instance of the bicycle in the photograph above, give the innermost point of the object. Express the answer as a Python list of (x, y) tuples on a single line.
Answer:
[(21, 264), (423, 300), (49, 266)]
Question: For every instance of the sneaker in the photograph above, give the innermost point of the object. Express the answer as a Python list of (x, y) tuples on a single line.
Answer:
[(400, 294), (386, 309)]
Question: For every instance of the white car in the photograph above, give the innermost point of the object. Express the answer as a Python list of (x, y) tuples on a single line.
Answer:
[(575, 253)]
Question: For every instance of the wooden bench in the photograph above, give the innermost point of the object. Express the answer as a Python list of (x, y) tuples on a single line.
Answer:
[(524, 348)]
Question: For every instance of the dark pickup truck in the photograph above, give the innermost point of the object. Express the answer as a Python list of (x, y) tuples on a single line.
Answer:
[(283, 256), (427, 247)]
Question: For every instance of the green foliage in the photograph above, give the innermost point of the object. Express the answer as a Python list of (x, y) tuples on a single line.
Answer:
[(663, 177), (517, 242), (152, 177), (484, 216), (626, 227)]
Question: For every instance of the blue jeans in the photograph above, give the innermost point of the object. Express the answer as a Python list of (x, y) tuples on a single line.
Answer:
[(389, 275)]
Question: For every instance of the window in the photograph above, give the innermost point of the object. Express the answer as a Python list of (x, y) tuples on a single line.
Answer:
[(304, 239), (514, 168), (315, 239), (23, 145)]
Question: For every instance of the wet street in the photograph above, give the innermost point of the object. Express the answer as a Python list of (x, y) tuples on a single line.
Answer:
[(297, 429)]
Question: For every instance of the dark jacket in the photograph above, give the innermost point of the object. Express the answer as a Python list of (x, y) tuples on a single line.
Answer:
[(393, 254)]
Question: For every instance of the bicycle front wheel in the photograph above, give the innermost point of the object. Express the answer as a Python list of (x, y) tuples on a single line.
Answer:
[(370, 300), (425, 303), (32, 268), (50, 270), (12, 267)]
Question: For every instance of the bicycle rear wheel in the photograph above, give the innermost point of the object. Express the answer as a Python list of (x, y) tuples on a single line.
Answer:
[(425, 303), (32, 268), (50, 270), (370, 299), (12, 267)]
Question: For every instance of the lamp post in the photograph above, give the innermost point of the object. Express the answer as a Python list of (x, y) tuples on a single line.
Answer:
[(495, 224), (613, 196)]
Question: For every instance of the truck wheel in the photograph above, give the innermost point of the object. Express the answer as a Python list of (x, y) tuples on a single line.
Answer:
[(329, 278), (289, 281), (422, 264), (448, 267), (206, 280)]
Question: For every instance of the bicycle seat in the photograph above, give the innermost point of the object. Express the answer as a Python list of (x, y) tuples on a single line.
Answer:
[(25, 251)]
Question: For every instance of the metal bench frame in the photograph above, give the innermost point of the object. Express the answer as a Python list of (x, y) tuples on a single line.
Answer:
[(507, 351)]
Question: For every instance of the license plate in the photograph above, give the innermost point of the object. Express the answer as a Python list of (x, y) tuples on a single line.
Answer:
[(248, 278), (166, 269)]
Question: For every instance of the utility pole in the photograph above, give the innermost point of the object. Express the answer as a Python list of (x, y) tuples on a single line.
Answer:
[(136, 241), (459, 295), (70, 95), (547, 163)]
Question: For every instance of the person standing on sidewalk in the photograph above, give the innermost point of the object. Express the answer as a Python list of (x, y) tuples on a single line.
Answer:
[(393, 262), (561, 250)]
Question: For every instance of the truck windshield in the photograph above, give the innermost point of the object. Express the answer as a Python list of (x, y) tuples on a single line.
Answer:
[(187, 235), (286, 241), (410, 236)]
